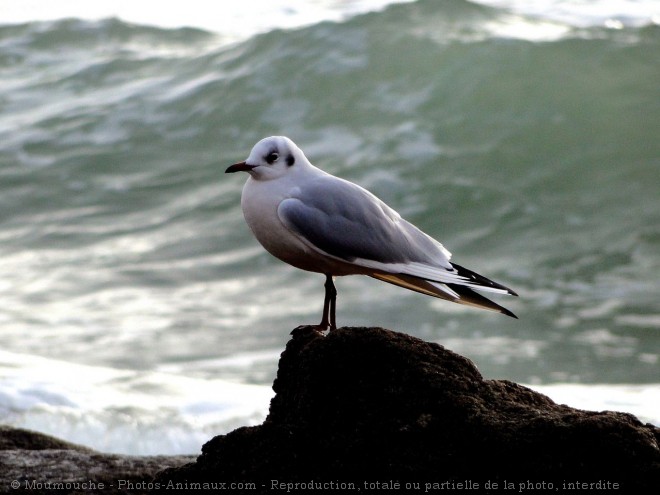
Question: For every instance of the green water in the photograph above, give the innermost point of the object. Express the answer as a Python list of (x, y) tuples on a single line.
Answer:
[(536, 163)]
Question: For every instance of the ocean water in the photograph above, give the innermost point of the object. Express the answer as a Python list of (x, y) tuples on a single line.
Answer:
[(134, 301)]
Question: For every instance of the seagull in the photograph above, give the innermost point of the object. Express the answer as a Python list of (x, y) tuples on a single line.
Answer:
[(317, 222)]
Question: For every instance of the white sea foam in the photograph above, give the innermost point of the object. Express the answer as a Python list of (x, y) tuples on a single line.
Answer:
[(529, 19), (639, 400), (238, 20), (585, 13), (124, 411)]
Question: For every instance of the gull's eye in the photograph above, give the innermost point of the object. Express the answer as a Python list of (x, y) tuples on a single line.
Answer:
[(272, 157)]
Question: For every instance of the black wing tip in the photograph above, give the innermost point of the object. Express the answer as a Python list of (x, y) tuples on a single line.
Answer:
[(471, 297), (481, 280), (506, 312)]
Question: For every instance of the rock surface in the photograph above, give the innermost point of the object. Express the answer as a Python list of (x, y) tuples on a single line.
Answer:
[(380, 410), (37, 463), (371, 405)]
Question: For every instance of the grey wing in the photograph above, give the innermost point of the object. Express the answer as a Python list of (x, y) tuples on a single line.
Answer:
[(345, 221), (348, 222)]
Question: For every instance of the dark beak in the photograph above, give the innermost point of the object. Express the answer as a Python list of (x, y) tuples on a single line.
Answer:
[(239, 167)]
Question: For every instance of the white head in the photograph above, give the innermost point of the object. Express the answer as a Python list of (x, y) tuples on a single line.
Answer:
[(272, 157)]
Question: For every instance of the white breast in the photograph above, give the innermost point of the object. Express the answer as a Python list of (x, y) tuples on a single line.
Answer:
[(259, 202)]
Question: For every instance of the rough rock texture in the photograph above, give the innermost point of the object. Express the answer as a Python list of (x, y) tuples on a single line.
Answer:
[(37, 463), (20, 439), (367, 404)]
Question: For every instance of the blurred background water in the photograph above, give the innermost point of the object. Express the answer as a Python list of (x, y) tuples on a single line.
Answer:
[(139, 315)]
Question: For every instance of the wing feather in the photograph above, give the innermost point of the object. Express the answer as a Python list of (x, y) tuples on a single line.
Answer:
[(348, 223)]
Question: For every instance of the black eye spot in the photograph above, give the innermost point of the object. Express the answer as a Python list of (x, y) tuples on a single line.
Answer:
[(290, 160), (272, 157)]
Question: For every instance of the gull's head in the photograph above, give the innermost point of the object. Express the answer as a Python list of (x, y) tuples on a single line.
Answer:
[(271, 158)]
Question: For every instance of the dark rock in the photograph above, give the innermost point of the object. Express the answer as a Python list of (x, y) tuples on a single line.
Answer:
[(21, 439), (37, 463), (367, 404)]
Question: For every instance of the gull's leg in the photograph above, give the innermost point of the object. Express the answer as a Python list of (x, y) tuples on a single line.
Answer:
[(333, 301), (329, 303)]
